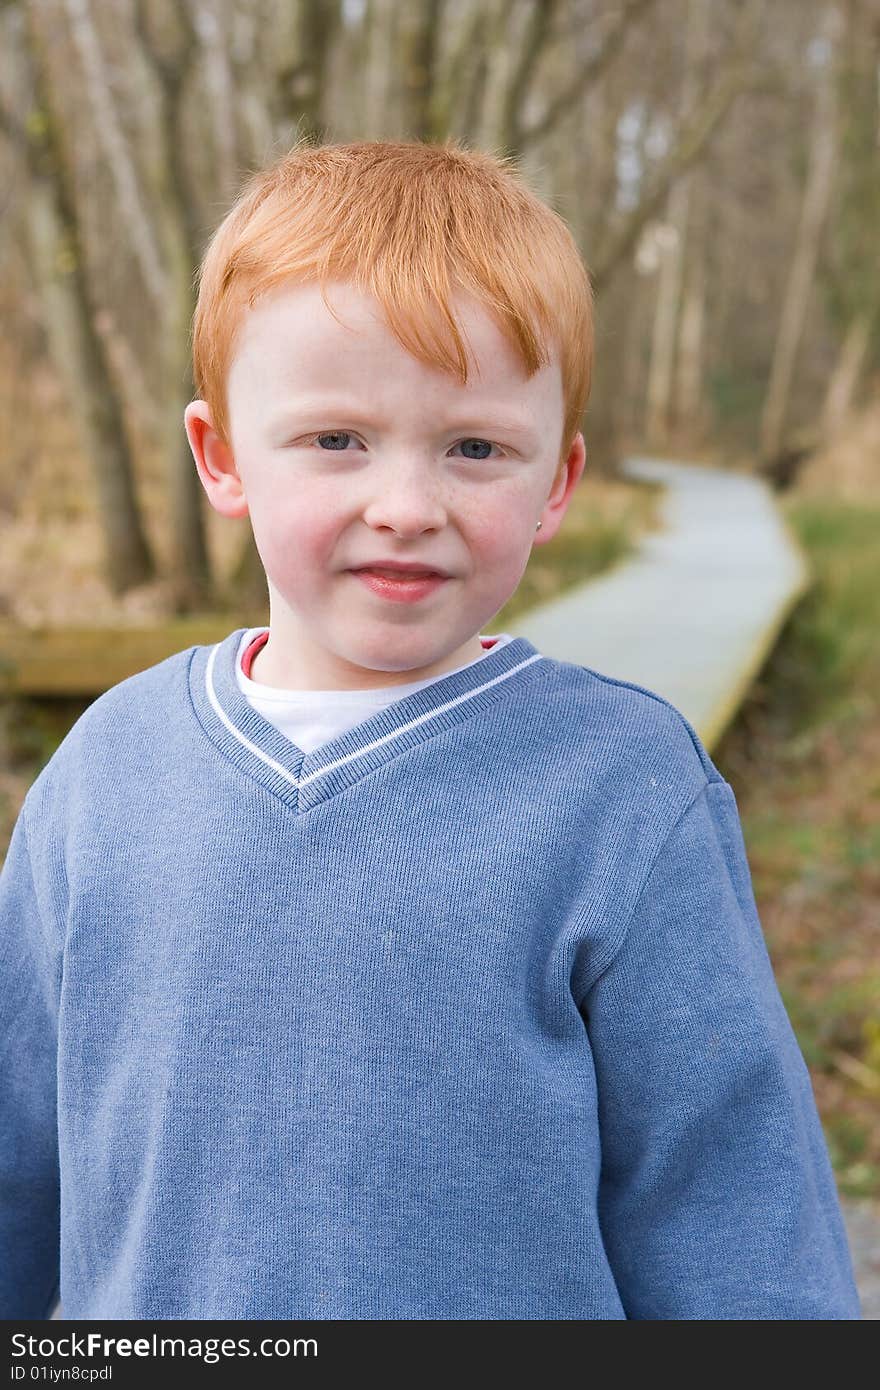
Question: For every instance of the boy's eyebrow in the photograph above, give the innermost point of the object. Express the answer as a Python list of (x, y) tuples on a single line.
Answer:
[(512, 424)]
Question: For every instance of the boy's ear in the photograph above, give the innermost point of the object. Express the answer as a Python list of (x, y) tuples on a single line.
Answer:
[(565, 480), (214, 462)]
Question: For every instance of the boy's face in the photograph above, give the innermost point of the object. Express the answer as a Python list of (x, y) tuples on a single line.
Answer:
[(346, 451)]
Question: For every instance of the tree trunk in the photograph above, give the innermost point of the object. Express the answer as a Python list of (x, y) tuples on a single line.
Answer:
[(115, 150), (214, 23), (78, 355), (171, 63), (817, 195), (58, 266), (457, 91), (302, 40), (847, 374), (418, 41), (380, 25), (663, 345), (690, 409), (851, 251), (599, 152), (659, 391), (516, 38)]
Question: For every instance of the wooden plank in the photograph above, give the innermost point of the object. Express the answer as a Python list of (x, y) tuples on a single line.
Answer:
[(50, 661)]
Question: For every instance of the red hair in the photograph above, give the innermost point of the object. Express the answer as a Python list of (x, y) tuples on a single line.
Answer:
[(409, 223)]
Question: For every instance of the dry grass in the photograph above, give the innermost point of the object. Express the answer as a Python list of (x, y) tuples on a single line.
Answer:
[(849, 469)]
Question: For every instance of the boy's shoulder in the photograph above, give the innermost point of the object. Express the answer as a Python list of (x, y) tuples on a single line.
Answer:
[(620, 721), (140, 695), (591, 727), (140, 708)]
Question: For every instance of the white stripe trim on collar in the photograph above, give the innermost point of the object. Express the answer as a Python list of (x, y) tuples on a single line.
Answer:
[(224, 718), (357, 752)]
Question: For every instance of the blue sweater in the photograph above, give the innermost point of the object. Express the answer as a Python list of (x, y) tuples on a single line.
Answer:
[(465, 1014)]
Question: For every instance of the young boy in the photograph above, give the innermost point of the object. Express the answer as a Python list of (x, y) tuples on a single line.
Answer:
[(366, 966)]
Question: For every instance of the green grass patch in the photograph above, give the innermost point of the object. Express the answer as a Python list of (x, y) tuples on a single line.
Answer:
[(804, 757)]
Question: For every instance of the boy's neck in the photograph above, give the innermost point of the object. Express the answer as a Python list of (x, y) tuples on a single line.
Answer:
[(286, 669)]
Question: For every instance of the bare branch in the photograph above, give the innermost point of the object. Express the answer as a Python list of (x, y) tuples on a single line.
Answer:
[(588, 72), (693, 138), (517, 36), (536, 38)]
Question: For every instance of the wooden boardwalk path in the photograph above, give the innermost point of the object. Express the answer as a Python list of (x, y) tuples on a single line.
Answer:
[(694, 614)]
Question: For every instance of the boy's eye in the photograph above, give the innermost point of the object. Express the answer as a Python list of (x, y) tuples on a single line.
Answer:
[(338, 443), (480, 443), (337, 438)]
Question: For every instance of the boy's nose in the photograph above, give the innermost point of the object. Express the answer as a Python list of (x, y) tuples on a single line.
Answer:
[(408, 508)]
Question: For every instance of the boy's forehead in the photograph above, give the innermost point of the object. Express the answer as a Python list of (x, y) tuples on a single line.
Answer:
[(290, 338)]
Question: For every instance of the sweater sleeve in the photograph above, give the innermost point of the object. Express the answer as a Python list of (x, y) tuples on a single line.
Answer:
[(716, 1198), (29, 1176)]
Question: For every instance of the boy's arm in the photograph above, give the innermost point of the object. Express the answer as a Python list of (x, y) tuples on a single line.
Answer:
[(716, 1198), (30, 967)]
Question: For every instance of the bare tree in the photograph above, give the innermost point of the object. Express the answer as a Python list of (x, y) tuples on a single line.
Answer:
[(169, 43), (672, 261), (611, 30), (57, 265), (516, 38), (302, 34), (111, 139), (379, 41), (690, 410), (687, 144), (817, 193), (211, 20), (419, 44), (849, 266), (170, 103)]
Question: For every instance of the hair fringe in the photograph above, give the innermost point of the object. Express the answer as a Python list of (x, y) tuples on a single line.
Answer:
[(410, 223)]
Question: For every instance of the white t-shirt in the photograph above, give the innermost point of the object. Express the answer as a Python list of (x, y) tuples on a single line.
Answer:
[(312, 717)]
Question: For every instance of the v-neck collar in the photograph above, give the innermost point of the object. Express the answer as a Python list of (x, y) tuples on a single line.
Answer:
[(303, 780)]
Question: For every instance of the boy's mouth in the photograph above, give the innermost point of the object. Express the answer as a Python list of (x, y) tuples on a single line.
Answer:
[(402, 586), (402, 571)]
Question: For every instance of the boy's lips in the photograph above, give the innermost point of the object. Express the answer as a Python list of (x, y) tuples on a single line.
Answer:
[(401, 571), (400, 586)]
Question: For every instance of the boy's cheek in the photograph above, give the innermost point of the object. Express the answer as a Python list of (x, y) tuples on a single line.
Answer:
[(504, 552), (287, 557)]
